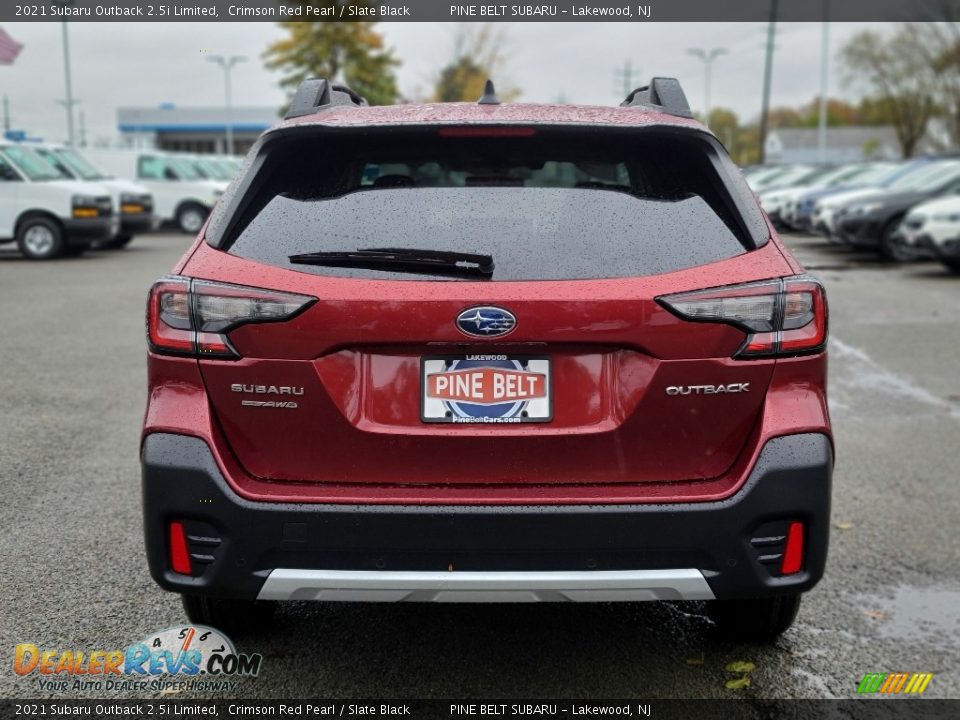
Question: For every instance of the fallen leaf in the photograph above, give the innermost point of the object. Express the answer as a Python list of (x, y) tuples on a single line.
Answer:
[(741, 666), (695, 660), (739, 683), (843, 525), (876, 614)]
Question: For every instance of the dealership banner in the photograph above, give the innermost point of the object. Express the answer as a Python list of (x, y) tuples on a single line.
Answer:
[(472, 11), (743, 709)]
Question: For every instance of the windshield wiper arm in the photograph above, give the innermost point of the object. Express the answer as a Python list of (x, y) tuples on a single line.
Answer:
[(408, 260)]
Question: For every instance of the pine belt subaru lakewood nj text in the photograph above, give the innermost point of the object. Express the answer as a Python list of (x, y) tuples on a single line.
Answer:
[(488, 352)]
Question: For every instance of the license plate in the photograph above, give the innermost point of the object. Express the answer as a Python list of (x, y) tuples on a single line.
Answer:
[(485, 389)]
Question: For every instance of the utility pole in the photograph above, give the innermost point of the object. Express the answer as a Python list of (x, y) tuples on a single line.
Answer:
[(706, 57), (69, 102), (83, 130), (767, 76), (824, 79), (626, 78), (227, 64), (6, 115)]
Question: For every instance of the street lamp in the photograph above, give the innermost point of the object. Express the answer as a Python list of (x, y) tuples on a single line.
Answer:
[(706, 57), (227, 64), (69, 102)]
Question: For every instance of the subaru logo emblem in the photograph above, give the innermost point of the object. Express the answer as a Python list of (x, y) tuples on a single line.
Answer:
[(486, 321)]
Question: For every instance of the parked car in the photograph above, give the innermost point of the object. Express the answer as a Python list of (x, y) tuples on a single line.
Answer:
[(776, 176), (798, 208), (181, 195), (134, 201), (488, 352), (933, 228), (46, 215), (872, 222), (210, 167), (771, 197), (779, 202), (829, 211)]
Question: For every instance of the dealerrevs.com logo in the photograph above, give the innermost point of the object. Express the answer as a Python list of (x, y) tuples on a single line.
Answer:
[(192, 657)]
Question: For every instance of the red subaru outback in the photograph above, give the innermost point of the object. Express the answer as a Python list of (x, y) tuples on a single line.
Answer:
[(488, 352)]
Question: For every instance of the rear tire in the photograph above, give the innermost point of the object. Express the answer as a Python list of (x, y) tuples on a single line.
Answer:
[(230, 616), (191, 217), (758, 620), (953, 266), (40, 238)]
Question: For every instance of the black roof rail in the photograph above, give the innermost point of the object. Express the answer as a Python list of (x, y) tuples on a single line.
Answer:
[(315, 94), (663, 94)]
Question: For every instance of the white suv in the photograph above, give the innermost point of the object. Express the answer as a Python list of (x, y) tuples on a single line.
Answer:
[(180, 193), (133, 201), (46, 215)]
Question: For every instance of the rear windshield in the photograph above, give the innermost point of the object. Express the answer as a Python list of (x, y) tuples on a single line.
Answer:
[(543, 208)]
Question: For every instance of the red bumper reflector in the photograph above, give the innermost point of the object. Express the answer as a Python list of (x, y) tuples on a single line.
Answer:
[(793, 552), (179, 554)]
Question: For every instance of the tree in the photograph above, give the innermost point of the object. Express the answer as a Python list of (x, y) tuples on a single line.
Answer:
[(780, 117), (725, 125), (348, 52), (900, 77), (477, 55)]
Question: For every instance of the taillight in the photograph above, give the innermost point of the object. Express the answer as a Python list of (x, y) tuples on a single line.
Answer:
[(781, 317), (193, 317)]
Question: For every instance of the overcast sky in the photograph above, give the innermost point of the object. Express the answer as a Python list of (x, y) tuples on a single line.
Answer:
[(145, 64)]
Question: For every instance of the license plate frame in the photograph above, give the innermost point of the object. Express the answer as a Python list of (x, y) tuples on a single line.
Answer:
[(514, 411)]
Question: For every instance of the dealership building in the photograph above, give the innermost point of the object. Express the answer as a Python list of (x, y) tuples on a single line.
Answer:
[(196, 130)]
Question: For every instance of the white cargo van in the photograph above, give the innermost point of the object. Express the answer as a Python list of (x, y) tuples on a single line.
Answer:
[(134, 201), (180, 193), (46, 215)]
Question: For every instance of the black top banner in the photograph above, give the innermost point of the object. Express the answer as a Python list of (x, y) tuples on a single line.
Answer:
[(471, 11)]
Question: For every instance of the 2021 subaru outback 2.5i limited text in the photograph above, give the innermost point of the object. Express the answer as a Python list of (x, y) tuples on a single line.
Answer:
[(488, 352)]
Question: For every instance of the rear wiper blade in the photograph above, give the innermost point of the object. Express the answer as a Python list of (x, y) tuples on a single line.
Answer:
[(407, 260)]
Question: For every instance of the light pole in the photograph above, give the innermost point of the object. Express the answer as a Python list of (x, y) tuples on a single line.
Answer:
[(69, 102), (824, 80), (227, 64), (707, 57), (767, 78)]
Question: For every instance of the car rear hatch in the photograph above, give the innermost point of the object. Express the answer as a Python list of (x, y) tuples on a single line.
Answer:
[(560, 368)]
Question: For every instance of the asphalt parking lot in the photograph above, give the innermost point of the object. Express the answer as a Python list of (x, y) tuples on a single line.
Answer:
[(72, 393)]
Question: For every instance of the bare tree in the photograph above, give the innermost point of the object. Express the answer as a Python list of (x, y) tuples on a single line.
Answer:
[(899, 75)]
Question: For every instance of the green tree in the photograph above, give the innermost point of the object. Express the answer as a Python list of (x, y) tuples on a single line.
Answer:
[(350, 52), (477, 55), (725, 125)]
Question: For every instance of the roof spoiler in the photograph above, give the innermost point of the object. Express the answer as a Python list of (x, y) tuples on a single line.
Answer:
[(663, 94), (316, 94)]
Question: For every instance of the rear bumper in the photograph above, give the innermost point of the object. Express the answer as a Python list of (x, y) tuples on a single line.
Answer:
[(723, 549)]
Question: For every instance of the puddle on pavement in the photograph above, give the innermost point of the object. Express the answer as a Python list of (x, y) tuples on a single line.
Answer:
[(930, 614)]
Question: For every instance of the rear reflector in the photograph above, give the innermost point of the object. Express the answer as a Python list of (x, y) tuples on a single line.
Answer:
[(179, 553), (193, 317), (781, 317), (793, 550)]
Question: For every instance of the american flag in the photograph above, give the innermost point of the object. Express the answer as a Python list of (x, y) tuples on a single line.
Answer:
[(9, 48)]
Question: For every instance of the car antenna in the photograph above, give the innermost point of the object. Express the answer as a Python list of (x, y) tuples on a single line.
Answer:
[(489, 96)]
